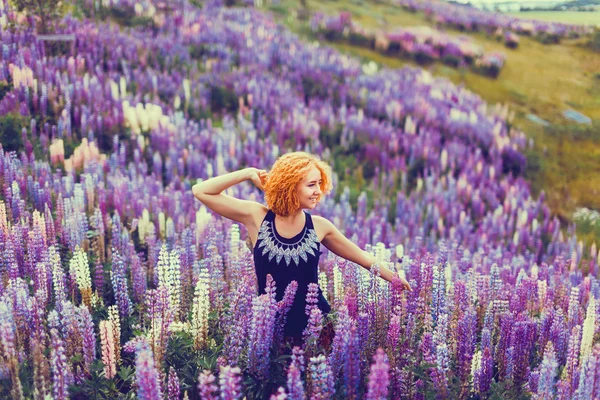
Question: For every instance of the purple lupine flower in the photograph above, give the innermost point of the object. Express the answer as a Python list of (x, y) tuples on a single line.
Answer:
[(295, 386), (237, 319), (485, 373), (429, 355), (99, 277), (132, 345), (206, 386), (339, 346), (138, 278), (587, 376), (559, 336), (379, 378), (284, 307), (547, 373), (522, 340), (298, 358), (61, 369), (264, 309), (89, 338), (312, 298), (322, 384), (41, 376), (230, 383), (173, 389), (314, 326), (9, 349), (465, 343), (571, 371), (352, 376), (119, 283), (146, 374)]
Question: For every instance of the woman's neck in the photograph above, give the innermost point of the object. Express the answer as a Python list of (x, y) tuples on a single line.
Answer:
[(292, 219)]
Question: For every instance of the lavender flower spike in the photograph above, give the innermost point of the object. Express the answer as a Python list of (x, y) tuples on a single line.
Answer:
[(379, 378), (146, 374), (229, 381)]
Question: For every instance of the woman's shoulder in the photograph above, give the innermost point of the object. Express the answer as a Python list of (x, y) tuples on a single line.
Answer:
[(259, 212), (322, 225)]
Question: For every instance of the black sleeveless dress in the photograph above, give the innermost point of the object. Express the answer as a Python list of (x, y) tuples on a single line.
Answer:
[(286, 260)]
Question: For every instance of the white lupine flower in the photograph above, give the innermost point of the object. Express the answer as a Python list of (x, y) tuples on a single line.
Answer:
[(114, 89), (143, 225), (161, 224), (588, 331), (338, 288), (399, 251), (123, 86), (380, 252), (142, 116), (203, 217), (175, 281), (180, 327), (186, 89), (449, 280), (4, 223), (234, 241), (200, 311), (542, 291), (80, 271), (162, 267), (170, 228), (97, 301), (323, 283), (444, 159), (410, 127), (370, 68)]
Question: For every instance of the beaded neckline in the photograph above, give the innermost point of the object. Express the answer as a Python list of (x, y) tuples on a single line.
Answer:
[(271, 243)]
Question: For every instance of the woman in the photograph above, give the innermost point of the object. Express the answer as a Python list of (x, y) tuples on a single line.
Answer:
[(285, 238)]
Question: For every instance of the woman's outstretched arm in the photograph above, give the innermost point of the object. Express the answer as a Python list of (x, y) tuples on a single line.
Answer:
[(335, 241)]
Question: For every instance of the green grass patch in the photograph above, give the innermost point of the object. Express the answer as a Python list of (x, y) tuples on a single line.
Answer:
[(567, 17)]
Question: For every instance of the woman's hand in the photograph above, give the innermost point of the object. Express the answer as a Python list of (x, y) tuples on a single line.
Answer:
[(401, 283), (258, 177)]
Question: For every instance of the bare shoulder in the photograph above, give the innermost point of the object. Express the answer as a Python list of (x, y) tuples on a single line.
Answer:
[(323, 225), (259, 211)]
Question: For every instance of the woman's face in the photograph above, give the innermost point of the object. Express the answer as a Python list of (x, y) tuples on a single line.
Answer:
[(309, 189)]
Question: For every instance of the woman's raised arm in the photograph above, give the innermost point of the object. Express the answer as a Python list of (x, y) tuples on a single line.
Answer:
[(209, 193)]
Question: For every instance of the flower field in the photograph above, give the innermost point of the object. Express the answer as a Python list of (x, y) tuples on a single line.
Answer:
[(472, 19), (423, 44), (115, 282)]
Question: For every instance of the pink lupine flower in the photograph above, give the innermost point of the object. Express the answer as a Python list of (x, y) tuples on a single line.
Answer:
[(206, 386), (379, 378), (173, 390), (230, 383)]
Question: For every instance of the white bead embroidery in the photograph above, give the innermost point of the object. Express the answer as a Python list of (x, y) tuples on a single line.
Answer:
[(271, 244)]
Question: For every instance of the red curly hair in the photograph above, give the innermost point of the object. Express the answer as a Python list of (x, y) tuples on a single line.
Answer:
[(283, 178)]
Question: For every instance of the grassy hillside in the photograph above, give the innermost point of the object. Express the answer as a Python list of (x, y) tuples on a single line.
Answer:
[(539, 79), (569, 17)]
